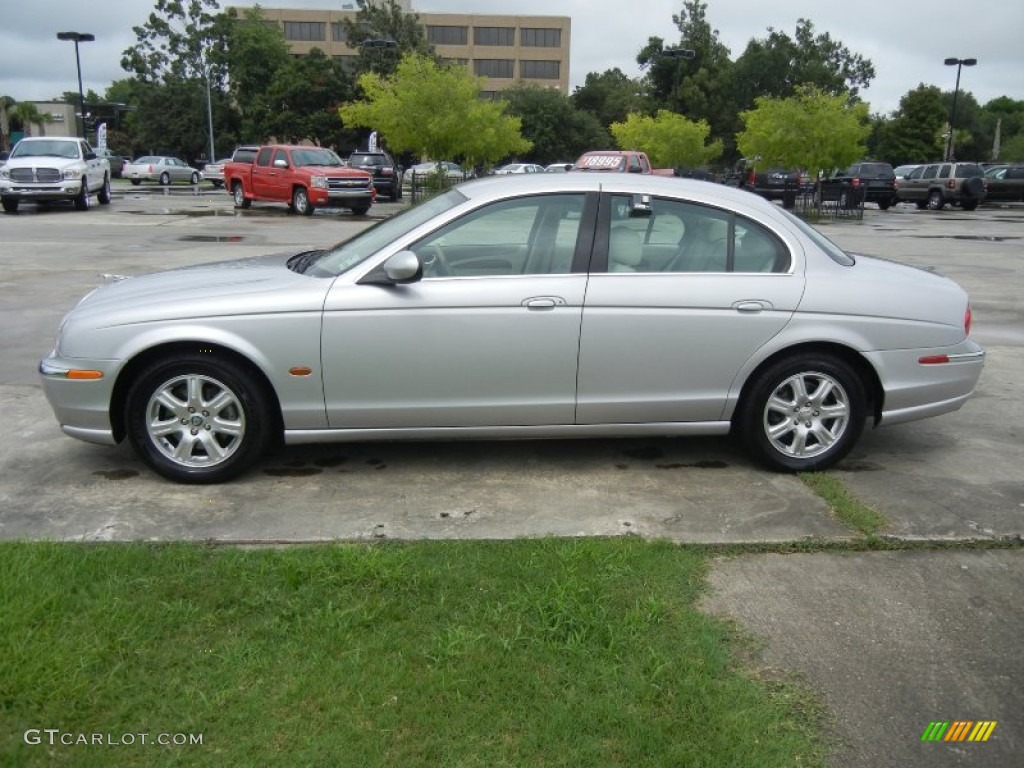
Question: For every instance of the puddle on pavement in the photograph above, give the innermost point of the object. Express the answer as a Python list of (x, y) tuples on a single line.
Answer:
[(703, 464), (211, 238), (982, 238), (116, 474)]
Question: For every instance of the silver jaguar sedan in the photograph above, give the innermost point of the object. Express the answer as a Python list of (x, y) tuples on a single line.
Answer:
[(544, 305)]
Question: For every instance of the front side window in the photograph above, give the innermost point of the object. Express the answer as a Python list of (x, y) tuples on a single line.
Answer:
[(263, 158), (524, 236)]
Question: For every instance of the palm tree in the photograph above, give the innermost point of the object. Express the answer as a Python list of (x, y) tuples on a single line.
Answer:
[(27, 114), (6, 102)]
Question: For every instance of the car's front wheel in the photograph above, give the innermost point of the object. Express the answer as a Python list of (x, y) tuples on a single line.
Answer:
[(82, 198), (804, 413), (165, 179), (194, 178), (935, 200), (198, 419), (10, 205), (300, 202)]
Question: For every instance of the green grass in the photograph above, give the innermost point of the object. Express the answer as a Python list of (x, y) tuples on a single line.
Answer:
[(844, 506), (541, 652)]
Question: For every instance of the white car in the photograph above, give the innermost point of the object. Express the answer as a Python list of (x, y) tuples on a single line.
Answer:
[(46, 169), (514, 168)]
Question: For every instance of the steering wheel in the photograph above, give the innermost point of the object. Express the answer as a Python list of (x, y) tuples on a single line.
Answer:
[(434, 262)]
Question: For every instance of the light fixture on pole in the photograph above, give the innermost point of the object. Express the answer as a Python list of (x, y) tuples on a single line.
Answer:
[(78, 37), (958, 63)]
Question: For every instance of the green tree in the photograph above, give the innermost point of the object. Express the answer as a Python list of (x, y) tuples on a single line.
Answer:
[(6, 103), (669, 139), (256, 54), (914, 133), (557, 130), (373, 30), (24, 115), (610, 96), (812, 130), (436, 112), (304, 97)]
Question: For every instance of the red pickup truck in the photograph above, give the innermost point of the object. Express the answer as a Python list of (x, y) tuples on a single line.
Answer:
[(305, 178), (614, 161)]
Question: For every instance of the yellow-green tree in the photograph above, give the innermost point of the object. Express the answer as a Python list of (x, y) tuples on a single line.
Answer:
[(812, 130), (668, 138), (435, 111)]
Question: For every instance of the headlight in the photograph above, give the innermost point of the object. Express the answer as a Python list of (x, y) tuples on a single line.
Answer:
[(320, 182), (72, 173), (5, 173)]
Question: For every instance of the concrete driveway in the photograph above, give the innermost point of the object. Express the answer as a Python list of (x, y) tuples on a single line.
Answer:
[(893, 640)]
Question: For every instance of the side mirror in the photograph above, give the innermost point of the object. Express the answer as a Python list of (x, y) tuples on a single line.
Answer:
[(90, 155), (280, 163), (399, 269)]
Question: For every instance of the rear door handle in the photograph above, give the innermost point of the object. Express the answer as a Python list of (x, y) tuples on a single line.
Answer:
[(752, 306), (543, 302)]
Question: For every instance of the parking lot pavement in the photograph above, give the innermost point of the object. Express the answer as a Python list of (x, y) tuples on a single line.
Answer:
[(892, 641)]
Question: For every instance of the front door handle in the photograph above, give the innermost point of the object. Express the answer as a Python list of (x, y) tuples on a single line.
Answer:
[(752, 306), (543, 302)]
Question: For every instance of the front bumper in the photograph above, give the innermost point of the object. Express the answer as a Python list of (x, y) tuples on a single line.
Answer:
[(82, 406), (64, 190)]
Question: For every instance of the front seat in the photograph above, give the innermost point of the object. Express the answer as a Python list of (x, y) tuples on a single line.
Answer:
[(625, 249)]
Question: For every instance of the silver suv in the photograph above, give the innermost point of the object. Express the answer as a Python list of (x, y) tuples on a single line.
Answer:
[(934, 185)]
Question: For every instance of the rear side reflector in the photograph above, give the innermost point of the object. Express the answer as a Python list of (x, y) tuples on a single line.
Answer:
[(934, 360), (968, 319)]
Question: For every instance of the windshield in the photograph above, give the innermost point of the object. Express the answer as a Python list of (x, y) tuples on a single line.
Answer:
[(303, 157), (367, 160), (837, 254), (353, 251), (55, 148)]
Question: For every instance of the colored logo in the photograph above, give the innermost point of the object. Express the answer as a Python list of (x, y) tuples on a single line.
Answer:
[(958, 730)]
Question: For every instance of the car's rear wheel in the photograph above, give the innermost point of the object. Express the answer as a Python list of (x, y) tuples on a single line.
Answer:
[(935, 200), (194, 178), (82, 198), (238, 196), (136, 182), (804, 413), (165, 179), (198, 419), (104, 194), (300, 202)]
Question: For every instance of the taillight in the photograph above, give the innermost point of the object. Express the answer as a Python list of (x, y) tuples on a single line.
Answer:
[(150, 169), (951, 184), (855, 183), (967, 320)]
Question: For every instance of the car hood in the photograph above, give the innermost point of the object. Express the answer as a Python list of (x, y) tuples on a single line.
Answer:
[(334, 170), (257, 285)]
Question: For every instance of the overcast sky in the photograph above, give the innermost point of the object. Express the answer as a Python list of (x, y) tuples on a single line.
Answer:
[(906, 40)]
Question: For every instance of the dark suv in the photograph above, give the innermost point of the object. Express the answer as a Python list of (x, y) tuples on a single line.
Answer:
[(866, 182), (934, 185), (387, 175)]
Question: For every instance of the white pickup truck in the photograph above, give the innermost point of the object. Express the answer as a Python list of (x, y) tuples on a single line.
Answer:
[(45, 169)]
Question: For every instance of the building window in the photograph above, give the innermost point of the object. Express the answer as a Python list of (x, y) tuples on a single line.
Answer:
[(338, 33), (441, 35), (494, 67), (494, 35), (540, 70), (455, 62), (540, 38), (304, 30)]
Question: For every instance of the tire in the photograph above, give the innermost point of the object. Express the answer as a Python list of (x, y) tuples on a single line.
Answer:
[(974, 187), (935, 200), (238, 195), (165, 179), (82, 199), (921, 204), (196, 418), (136, 182), (360, 210), (104, 194), (10, 205), (969, 205), (395, 193), (883, 205), (194, 178), (300, 202), (803, 414)]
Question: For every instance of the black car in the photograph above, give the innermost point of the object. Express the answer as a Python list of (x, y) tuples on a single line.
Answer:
[(387, 174), (866, 182)]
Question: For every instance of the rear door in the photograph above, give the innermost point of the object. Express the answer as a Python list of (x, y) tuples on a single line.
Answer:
[(663, 342)]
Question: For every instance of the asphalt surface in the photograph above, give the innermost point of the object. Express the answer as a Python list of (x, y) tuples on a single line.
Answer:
[(891, 640)]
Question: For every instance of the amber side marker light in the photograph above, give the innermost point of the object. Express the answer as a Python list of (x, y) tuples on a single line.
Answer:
[(300, 370), (84, 375)]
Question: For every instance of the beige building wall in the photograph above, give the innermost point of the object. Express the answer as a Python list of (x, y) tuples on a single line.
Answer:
[(512, 61)]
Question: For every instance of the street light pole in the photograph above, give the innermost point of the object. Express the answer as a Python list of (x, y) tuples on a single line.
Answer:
[(209, 109), (958, 63), (78, 37)]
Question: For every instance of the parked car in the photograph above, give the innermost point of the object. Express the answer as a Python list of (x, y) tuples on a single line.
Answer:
[(939, 184), (543, 305), (387, 174), (48, 169), (214, 172), (1005, 184), (514, 168), (115, 161), (558, 168), (902, 171), (453, 171), (864, 182), (161, 169), (783, 184)]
